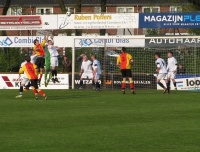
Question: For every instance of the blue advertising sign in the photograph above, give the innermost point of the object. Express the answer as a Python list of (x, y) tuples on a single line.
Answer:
[(169, 20)]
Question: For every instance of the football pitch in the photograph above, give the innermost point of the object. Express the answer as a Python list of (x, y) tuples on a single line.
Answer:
[(107, 121)]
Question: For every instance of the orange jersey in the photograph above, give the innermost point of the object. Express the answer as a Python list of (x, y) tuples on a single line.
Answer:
[(39, 49), (30, 70), (124, 60)]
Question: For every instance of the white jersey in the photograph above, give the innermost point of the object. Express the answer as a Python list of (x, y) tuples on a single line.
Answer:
[(96, 65), (86, 66), (24, 75), (53, 51), (33, 58), (171, 64), (160, 63)]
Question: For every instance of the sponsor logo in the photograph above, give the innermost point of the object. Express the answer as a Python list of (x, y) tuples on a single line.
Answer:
[(175, 41), (108, 82), (192, 82), (6, 42), (85, 81), (20, 20), (26, 40), (172, 18), (135, 82), (7, 81), (86, 42)]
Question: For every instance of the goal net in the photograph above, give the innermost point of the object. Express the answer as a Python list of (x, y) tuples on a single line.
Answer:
[(185, 49)]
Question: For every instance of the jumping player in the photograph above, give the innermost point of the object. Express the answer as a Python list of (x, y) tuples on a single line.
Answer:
[(171, 68), (161, 70), (125, 61), (40, 53), (47, 66), (31, 71), (96, 72), (54, 59)]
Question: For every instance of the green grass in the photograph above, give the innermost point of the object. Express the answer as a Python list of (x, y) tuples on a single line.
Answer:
[(87, 121)]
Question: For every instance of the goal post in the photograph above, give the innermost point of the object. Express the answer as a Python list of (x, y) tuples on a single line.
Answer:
[(186, 50)]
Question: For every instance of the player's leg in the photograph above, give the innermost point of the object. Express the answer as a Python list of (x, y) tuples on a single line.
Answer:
[(24, 81), (96, 81), (123, 72), (27, 86), (83, 76), (42, 63), (129, 75), (42, 93), (56, 72), (165, 77), (173, 80), (168, 81), (159, 78), (34, 85)]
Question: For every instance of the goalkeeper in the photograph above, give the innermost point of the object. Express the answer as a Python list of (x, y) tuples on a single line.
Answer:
[(47, 67)]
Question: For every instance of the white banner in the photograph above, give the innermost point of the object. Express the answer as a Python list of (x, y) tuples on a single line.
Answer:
[(111, 41), (192, 83), (19, 41), (12, 81), (73, 21), (68, 41), (98, 21)]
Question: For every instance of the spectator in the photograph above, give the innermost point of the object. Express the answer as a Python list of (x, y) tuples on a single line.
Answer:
[(67, 65), (181, 69)]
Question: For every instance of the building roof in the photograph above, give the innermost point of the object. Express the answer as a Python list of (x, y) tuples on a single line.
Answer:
[(94, 2)]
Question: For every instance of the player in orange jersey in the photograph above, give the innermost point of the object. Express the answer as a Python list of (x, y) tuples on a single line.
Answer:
[(31, 72), (125, 61), (40, 53)]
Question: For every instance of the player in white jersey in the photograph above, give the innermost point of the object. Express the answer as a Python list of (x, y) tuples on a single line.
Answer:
[(25, 81), (161, 69), (33, 57), (53, 50), (86, 70), (96, 72), (171, 68)]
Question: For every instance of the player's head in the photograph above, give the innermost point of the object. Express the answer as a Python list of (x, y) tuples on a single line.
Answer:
[(123, 49), (50, 42), (85, 58), (93, 57), (170, 54), (27, 58), (157, 55), (36, 42)]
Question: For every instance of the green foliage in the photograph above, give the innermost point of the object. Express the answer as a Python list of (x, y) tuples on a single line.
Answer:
[(9, 58)]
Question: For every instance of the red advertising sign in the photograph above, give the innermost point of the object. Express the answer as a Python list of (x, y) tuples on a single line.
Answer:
[(20, 20)]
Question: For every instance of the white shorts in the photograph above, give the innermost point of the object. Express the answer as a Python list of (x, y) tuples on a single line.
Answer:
[(97, 76), (161, 76), (25, 81), (171, 75), (54, 61), (87, 76)]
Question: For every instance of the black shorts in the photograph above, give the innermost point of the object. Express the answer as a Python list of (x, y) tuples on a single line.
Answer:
[(34, 83), (40, 61), (126, 73)]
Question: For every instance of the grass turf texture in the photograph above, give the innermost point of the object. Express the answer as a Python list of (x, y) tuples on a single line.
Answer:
[(87, 121)]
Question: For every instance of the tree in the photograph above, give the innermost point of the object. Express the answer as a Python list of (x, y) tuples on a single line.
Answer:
[(5, 10), (103, 10), (195, 6)]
